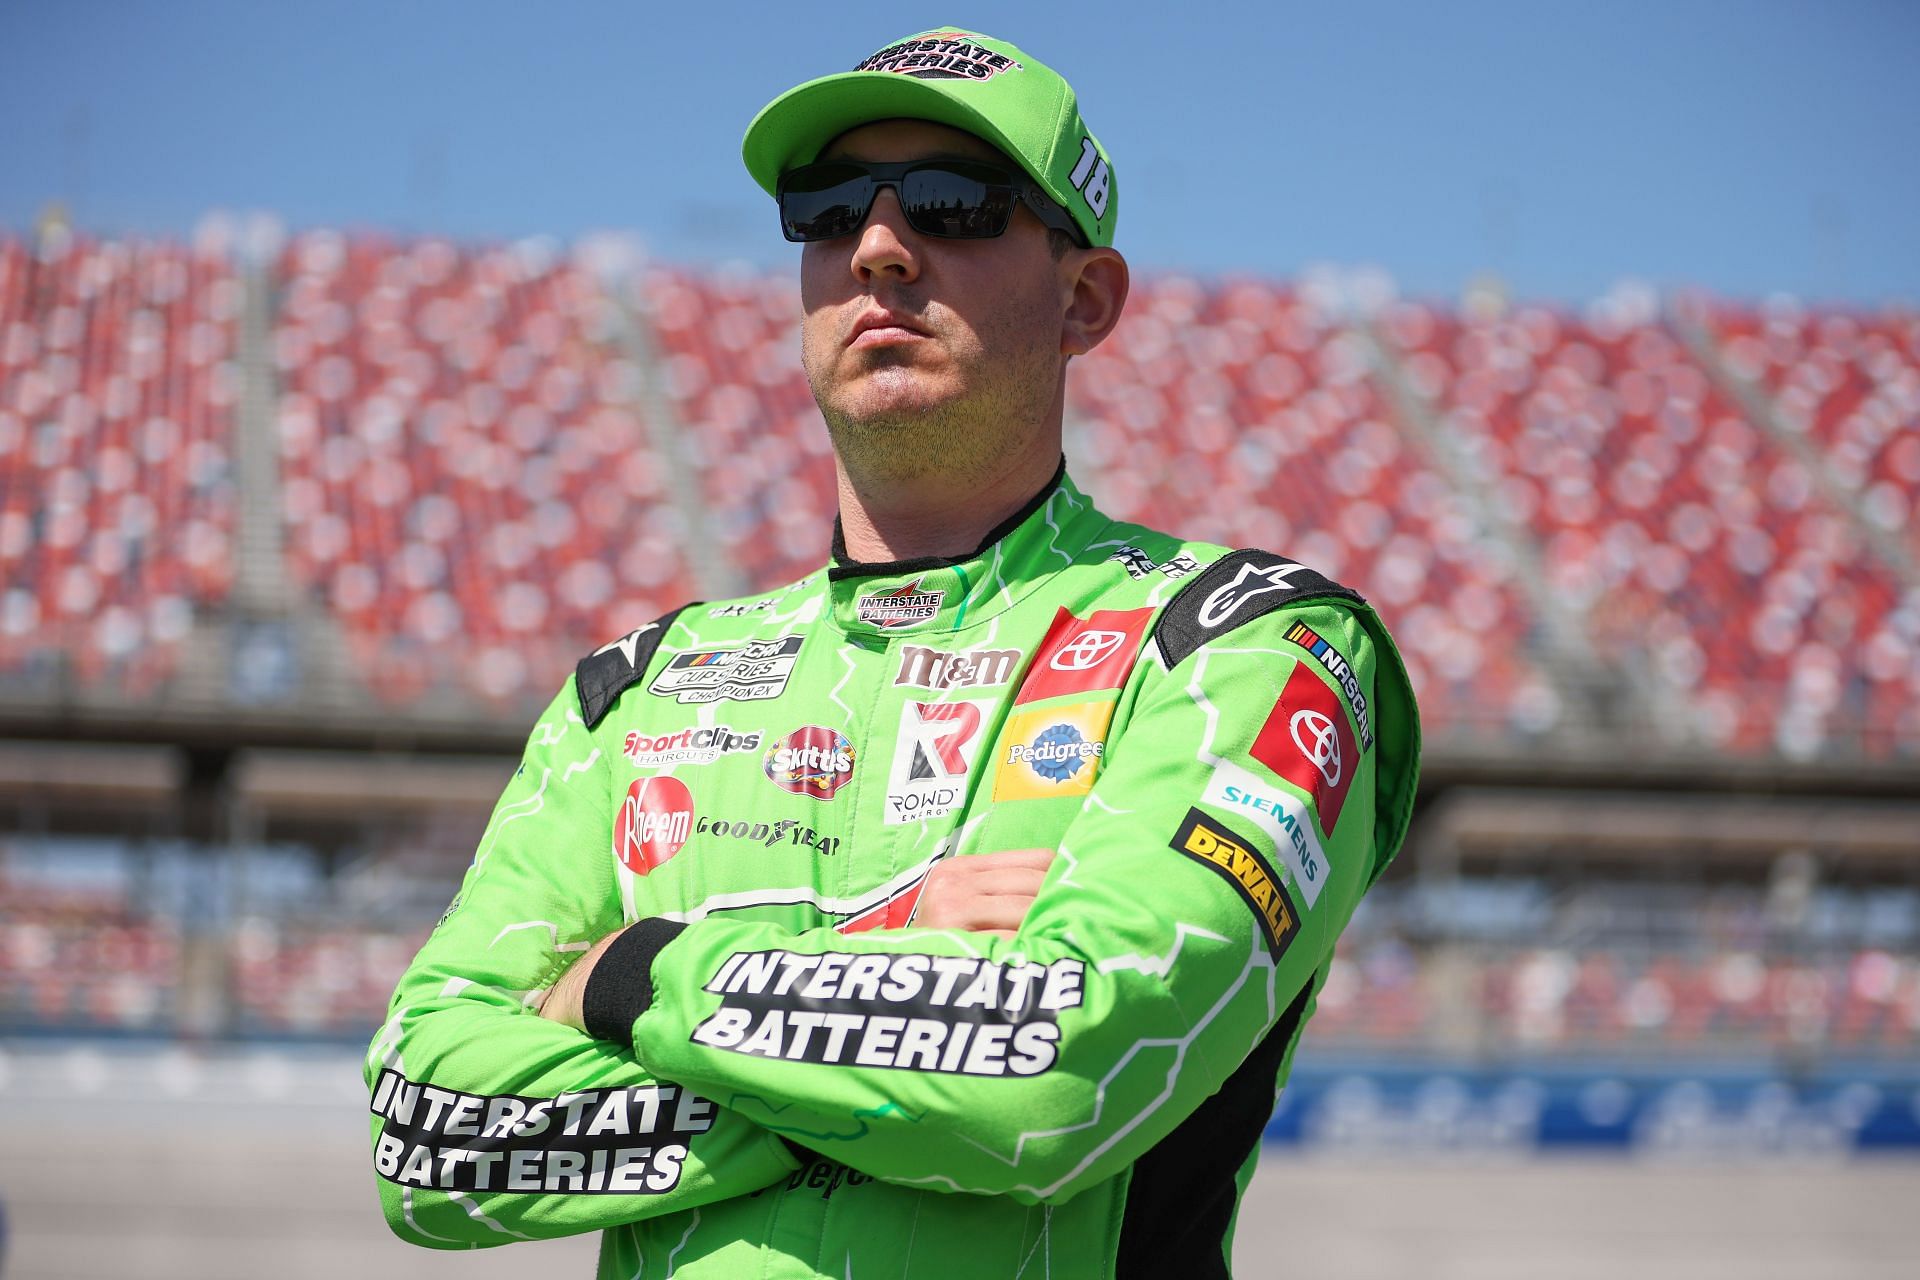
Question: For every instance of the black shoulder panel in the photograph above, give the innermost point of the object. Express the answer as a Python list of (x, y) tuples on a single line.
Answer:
[(603, 675), (1235, 589)]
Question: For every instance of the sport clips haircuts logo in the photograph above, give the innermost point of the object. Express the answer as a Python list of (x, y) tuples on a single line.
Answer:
[(905, 606), (813, 761), (940, 55)]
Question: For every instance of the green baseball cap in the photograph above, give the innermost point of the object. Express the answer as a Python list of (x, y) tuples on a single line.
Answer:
[(987, 87)]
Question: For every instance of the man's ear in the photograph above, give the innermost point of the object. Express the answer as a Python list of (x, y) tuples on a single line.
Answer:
[(1094, 283)]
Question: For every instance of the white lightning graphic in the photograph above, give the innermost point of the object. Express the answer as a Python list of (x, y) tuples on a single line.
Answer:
[(581, 766), (675, 1251), (553, 935), (406, 1211), (479, 1215), (386, 1043), (1158, 966), (835, 695), (513, 813)]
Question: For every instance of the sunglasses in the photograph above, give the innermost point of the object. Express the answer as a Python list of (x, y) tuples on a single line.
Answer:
[(952, 199)]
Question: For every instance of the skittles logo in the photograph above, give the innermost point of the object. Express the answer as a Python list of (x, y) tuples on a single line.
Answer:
[(811, 761)]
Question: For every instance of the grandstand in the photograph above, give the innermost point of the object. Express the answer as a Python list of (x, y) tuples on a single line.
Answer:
[(295, 544)]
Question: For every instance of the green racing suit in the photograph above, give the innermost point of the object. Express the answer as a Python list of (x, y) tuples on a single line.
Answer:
[(782, 1075)]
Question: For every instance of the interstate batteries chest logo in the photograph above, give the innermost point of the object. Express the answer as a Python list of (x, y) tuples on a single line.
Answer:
[(750, 673), (906, 606), (811, 761), (1055, 752), (689, 746), (940, 55), (654, 822)]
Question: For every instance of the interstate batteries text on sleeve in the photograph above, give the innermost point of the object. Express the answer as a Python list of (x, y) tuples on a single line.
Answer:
[(593, 1142), (954, 1014)]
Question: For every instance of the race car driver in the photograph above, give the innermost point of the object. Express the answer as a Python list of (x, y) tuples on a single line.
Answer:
[(955, 910)]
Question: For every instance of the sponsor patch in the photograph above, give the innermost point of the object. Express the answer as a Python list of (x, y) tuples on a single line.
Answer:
[(1307, 741), (813, 761), (954, 1015), (1231, 592), (1343, 675), (1139, 564), (752, 672), (931, 758), (936, 669), (1052, 752), (941, 55), (767, 834), (591, 1142), (741, 608), (689, 746), (1279, 813), (906, 606), (1083, 655), (654, 822), (1240, 864)]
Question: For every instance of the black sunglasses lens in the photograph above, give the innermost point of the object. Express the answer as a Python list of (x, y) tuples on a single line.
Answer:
[(962, 202), (821, 201)]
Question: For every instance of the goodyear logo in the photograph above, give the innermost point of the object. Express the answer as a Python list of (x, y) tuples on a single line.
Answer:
[(1240, 864)]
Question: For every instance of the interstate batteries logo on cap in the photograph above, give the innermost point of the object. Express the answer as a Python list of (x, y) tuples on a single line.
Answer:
[(1053, 752), (811, 761), (940, 55), (906, 606)]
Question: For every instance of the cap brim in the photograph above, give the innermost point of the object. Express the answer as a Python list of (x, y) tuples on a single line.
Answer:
[(793, 128)]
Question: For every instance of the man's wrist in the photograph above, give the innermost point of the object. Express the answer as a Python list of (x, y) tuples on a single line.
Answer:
[(619, 987)]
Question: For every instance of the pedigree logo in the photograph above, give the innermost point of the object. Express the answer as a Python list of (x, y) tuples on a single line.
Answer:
[(940, 55), (813, 761)]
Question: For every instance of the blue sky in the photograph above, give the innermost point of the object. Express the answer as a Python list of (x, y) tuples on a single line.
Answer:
[(1745, 147)]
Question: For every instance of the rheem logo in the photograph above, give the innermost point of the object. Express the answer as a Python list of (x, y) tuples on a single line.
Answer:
[(655, 819)]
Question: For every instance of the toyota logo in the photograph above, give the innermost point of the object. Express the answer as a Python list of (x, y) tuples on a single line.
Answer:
[(1089, 649), (1313, 734)]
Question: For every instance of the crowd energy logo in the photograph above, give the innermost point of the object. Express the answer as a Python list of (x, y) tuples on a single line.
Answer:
[(959, 1015), (813, 760), (689, 746), (905, 606), (592, 1142), (752, 672), (1052, 752), (1083, 655), (1307, 741), (938, 669), (1343, 675), (654, 822), (1240, 864), (940, 55), (932, 757)]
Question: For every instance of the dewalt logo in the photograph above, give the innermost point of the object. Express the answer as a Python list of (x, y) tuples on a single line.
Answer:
[(1235, 858)]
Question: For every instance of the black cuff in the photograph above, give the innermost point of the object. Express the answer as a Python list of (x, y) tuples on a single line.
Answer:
[(621, 986)]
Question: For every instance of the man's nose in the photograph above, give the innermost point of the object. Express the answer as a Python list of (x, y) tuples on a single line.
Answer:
[(886, 244)]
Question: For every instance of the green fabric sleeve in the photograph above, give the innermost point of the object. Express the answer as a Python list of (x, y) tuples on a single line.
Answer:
[(1186, 909), (491, 1124)]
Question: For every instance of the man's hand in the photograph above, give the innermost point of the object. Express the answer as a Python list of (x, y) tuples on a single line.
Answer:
[(563, 1002), (983, 892)]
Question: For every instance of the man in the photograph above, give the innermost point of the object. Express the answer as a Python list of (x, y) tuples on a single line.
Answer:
[(955, 910)]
